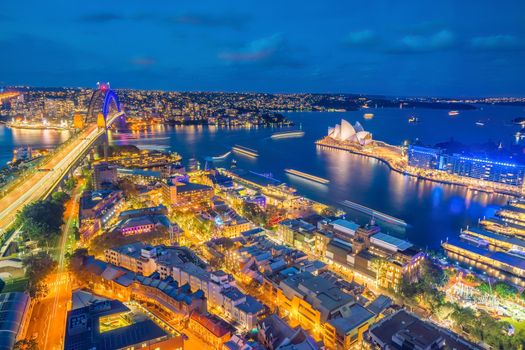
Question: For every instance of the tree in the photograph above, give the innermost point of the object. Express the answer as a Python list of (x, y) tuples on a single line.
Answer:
[(41, 220), (504, 290), (484, 288), (254, 213), (26, 344), (60, 197), (38, 267)]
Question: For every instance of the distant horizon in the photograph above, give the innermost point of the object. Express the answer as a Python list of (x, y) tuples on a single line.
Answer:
[(36, 87)]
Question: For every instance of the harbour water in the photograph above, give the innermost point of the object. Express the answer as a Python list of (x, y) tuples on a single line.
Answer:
[(13, 138), (432, 211)]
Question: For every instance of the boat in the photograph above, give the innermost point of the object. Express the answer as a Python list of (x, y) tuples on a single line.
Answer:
[(221, 157), (287, 134), (368, 115), (374, 213), (307, 176), (480, 123), (453, 113), (245, 151), (413, 119)]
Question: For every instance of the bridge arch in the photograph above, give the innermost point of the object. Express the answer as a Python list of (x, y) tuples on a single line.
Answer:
[(103, 101)]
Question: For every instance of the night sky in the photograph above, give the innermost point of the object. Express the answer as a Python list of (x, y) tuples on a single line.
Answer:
[(413, 47)]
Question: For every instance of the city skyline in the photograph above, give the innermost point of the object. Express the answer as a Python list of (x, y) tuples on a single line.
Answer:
[(419, 49)]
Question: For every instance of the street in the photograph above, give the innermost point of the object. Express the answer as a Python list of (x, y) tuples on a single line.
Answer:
[(48, 319)]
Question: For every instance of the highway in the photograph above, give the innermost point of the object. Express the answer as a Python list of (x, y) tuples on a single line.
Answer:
[(40, 184)]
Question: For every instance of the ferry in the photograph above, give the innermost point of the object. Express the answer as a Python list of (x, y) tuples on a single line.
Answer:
[(453, 113), (245, 151), (368, 115), (221, 157), (307, 176), (374, 213), (287, 134), (413, 120)]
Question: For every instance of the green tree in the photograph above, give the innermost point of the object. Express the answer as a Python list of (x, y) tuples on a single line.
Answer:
[(26, 344), (41, 220), (60, 197), (484, 288), (38, 267), (504, 290)]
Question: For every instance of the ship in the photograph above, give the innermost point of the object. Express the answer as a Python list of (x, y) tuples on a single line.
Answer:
[(453, 113), (245, 151), (413, 119), (480, 123), (221, 157), (307, 176), (368, 115), (287, 134), (374, 213)]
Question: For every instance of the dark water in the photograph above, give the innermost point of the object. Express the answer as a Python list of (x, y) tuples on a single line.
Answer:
[(433, 211), (12, 138)]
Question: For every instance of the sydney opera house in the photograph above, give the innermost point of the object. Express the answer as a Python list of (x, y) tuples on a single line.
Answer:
[(345, 132)]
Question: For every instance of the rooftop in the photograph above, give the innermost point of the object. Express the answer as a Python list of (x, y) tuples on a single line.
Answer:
[(357, 316), (392, 241)]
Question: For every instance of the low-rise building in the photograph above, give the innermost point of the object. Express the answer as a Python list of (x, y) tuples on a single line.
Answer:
[(211, 329), (14, 318), (109, 324), (181, 194), (404, 330)]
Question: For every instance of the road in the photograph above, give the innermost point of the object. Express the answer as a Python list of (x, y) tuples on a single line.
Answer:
[(39, 184), (48, 319)]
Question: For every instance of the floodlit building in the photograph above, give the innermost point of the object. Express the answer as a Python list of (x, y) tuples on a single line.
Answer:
[(345, 132)]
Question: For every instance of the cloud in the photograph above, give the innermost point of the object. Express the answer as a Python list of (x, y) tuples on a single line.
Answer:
[(100, 17), (362, 38), (271, 51), (438, 41), (495, 42), (143, 61), (236, 22)]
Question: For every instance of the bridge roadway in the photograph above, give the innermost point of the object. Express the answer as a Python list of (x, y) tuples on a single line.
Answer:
[(42, 183)]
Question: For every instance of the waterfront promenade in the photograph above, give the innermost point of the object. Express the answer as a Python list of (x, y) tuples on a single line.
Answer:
[(394, 157)]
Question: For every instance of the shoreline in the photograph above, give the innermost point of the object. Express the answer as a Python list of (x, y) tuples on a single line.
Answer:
[(394, 167)]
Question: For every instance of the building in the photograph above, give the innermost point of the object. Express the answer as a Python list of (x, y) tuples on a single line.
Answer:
[(345, 132), (311, 301), (424, 157), (481, 168), (136, 257), (104, 176), (14, 318), (211, 329), (146, 224), (275, 334), (376, 256), (297, 233), (135, 213), (97, 209), (404, 330), (343, 333), (109, 324), (180, 194)]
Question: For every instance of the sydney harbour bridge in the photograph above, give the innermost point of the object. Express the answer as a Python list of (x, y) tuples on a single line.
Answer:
[(104, 110)]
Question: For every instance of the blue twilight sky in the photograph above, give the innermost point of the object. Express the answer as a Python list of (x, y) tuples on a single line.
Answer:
[(403, 47)]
